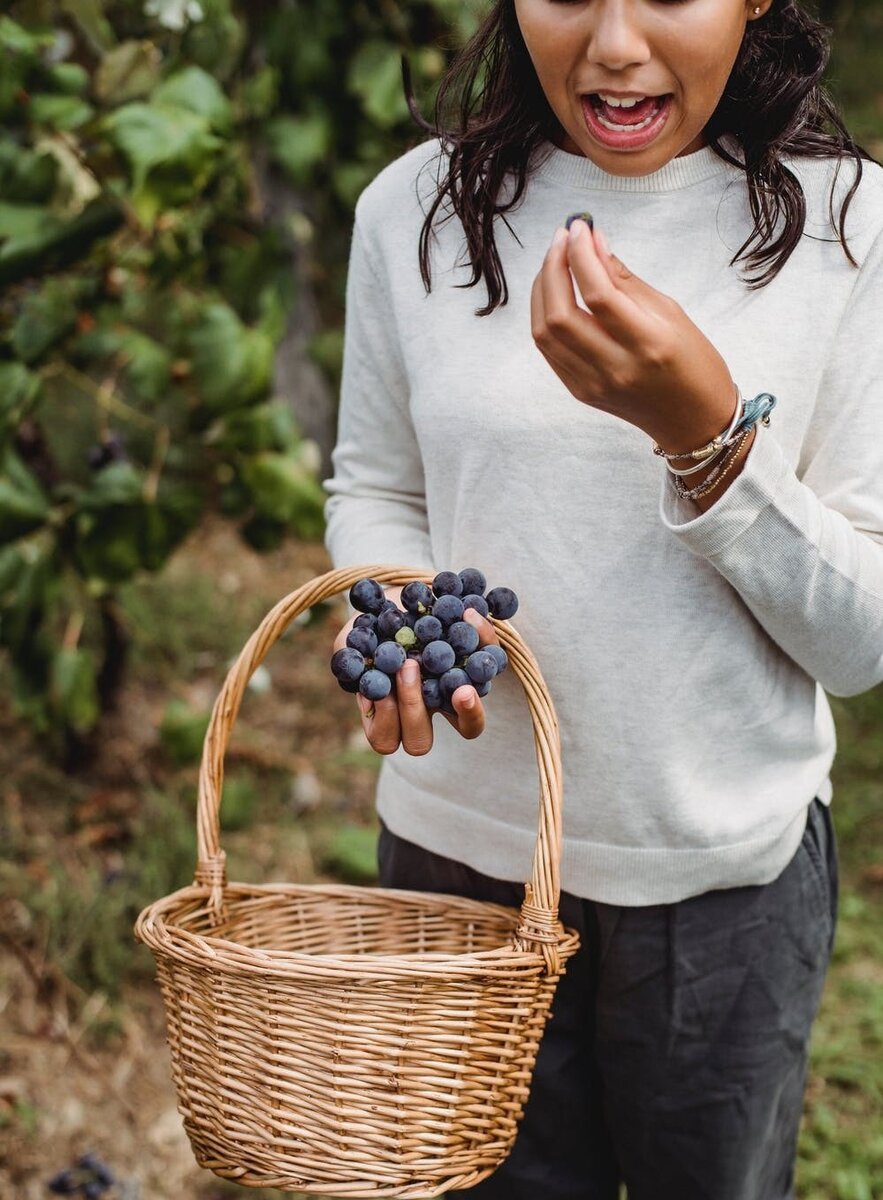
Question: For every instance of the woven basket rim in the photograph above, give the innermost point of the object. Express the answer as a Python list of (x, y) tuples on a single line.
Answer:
[(166, 937)]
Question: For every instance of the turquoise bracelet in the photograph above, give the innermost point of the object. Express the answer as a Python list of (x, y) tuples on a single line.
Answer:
[(747, 415)]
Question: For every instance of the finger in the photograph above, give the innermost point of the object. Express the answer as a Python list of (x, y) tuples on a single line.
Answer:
[(380, 720), (486, 632), (415, 719), (556, 318), (469, 721), (615, 308), (582, 378), (643, 293)]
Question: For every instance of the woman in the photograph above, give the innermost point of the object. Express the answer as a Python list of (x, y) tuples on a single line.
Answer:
[(688, 612)]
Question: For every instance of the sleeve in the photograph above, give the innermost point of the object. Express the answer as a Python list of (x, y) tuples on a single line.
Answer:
[(806, 554), (376, 507)]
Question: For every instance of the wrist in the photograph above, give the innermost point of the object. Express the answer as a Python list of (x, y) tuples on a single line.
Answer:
[(681, 432)]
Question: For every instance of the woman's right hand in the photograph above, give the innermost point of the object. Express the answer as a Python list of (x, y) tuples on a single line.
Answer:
[(401, 718)]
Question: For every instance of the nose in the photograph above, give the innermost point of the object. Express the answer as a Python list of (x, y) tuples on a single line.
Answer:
[(616, 39)]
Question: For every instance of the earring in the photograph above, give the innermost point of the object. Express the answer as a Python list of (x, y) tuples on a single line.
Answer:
[(757, 11)]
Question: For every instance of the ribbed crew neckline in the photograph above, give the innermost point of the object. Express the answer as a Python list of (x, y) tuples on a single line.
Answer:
[(579, 172)]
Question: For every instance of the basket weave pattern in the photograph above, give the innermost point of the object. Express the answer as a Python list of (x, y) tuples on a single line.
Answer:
[(351, 1041)]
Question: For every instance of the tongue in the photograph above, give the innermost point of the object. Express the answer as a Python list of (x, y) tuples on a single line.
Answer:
[(630, 116)]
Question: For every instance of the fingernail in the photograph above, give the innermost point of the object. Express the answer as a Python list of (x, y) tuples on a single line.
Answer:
[(469, 702), (576, 230), (409, 671)]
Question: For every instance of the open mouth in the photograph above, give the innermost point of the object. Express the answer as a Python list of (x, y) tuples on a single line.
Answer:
[(627, 122), (630, 114)]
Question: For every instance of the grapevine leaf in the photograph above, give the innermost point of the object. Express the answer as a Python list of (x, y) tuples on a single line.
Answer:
[(70, 78), (299, 144), (283, 489), (45, 317), (23, 504), (127, 72), (23, 43), (73, 689), (265, 427), (150, 136), (231, 363), (107, 543), (34, 240), (148, 364), (375, 76), (26, 176), (195, 91), (59, 111), (19, 389)]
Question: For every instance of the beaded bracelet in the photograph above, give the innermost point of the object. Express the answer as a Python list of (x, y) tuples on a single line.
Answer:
[(716, 476)]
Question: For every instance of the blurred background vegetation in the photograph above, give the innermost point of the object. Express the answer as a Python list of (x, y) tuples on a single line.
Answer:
[(177, 180)]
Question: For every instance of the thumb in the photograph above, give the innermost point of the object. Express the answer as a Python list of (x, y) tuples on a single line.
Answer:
[(624, 279)]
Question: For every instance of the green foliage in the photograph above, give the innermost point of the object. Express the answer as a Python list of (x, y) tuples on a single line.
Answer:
[(145, 286)]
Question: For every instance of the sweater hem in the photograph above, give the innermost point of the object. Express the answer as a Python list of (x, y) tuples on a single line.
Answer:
[(631, 876)]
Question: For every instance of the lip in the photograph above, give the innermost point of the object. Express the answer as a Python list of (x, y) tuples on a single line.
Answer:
[(635, 139)]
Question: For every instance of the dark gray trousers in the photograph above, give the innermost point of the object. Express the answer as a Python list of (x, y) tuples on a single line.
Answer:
[(675, 1059)]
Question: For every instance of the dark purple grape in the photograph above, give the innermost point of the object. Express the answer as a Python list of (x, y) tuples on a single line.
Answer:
[(473, 580), (432, 696), (65, 1183), (446, 583), (451, 680), (462, 638), (389, 657), (94, 1189), (347, 664), (437, 657), (362, 640), (481, 667), (350, 685), (428, 629), (477, 602), (367, 596), (387, 604), (406, 637), (374, 685), (502, 602), (410, 619), (389, 623), (482, 689), (417, 597), (500, 655), (103, 1173), (365, 621), (111, 449), (448, 609)]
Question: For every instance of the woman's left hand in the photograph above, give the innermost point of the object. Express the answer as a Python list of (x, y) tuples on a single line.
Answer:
[(635, 353)]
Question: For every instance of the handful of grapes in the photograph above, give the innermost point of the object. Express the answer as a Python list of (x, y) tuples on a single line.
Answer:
[(429, 628)]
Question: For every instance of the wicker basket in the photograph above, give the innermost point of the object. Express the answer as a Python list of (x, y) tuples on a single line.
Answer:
[(351, 1041)]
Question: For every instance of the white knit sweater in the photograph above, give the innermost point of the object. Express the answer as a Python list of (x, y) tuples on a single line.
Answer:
[(687, 654)]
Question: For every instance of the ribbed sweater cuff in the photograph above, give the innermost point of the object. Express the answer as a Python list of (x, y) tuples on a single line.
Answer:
[(759, 485)]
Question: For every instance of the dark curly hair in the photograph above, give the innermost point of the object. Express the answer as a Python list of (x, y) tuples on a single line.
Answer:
[(774, 105)]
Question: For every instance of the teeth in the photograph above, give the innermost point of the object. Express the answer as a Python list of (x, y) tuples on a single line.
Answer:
[(630, 102), (599, 116)]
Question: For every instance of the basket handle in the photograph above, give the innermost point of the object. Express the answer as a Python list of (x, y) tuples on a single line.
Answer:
[(539, 926)]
